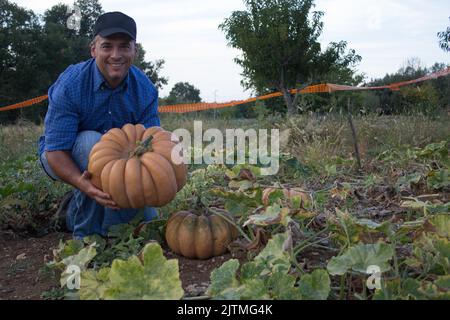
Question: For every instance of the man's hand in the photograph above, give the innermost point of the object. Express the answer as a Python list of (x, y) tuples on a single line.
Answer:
[(93, 192), (65, 168)]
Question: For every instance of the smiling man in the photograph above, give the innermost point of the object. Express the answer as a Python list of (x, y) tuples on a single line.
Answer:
[(87, 100)]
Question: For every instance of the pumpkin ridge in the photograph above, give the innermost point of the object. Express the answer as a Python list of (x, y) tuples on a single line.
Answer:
[(133, 181), (148, 167), (164, 172), (187, 248), (165, 148), (208, 219), (195, 236), (104, 176), (117, 185), (148, 186), (150, 132), (222, 234), (130, 133), (119, 135), (95, 167), (140, 129), (172, 226)]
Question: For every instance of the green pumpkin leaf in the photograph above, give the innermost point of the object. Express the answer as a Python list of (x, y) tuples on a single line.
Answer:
[(148, 278), (282, 287), (275, 195), (438, 179), (274, 256), (443, 282), (390, 290), (239, 203), (439, 290), (93, 284), (359, 258), (66, 249), (315, 286), (223, 279), (254, 289), (251, 270)]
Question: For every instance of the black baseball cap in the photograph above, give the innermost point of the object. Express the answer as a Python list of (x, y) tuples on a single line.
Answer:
[(115, 22)]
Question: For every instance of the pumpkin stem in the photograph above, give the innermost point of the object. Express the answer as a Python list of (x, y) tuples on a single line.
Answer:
[(230, 221), (142, 147)]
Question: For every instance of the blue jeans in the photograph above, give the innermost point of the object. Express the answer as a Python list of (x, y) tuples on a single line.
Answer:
[(84, 215)]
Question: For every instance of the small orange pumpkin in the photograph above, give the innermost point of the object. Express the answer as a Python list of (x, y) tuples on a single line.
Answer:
[(199, 237), (134, 165)]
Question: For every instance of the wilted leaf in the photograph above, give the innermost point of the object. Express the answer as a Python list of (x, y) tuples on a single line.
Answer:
[(271, 215), (442, 224), (241, 185)]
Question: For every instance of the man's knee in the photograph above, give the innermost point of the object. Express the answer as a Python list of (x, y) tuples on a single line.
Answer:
[(83, 145)]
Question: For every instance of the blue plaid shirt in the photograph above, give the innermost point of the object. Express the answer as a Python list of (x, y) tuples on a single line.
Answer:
[(82, 100)]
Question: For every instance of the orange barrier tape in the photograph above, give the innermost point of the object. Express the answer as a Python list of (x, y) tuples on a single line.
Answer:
[(23, 104), (319, 88), (191, 107)]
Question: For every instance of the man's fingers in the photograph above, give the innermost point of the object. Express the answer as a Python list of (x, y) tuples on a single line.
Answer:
[(107, 203), (100, 194)]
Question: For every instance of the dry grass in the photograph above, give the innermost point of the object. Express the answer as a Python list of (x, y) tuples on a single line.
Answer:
[(18, 140), (314, 139)]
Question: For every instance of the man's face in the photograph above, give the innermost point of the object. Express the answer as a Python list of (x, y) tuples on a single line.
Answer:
[(114, 55)]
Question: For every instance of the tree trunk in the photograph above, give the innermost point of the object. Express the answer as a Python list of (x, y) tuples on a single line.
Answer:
[(289, 102)]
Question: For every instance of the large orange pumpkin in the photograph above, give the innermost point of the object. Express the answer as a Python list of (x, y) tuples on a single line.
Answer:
[(289, 195), (134, 165), (199, 236)]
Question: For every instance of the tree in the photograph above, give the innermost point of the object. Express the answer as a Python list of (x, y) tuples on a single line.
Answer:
[(183, 92), (90, 11), (425, 97), (19, 55), (444, 39), (280, 48), (61, 46)]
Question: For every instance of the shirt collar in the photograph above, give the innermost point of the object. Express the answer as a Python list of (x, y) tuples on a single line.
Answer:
[(100, 82)]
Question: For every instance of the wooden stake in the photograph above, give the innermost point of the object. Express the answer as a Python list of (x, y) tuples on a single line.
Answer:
[(355, 141)]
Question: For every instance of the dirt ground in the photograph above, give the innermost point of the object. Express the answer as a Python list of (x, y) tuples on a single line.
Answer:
[(22, 258)]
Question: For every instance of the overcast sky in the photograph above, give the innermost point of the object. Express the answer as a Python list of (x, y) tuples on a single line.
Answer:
[(185, 34)]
